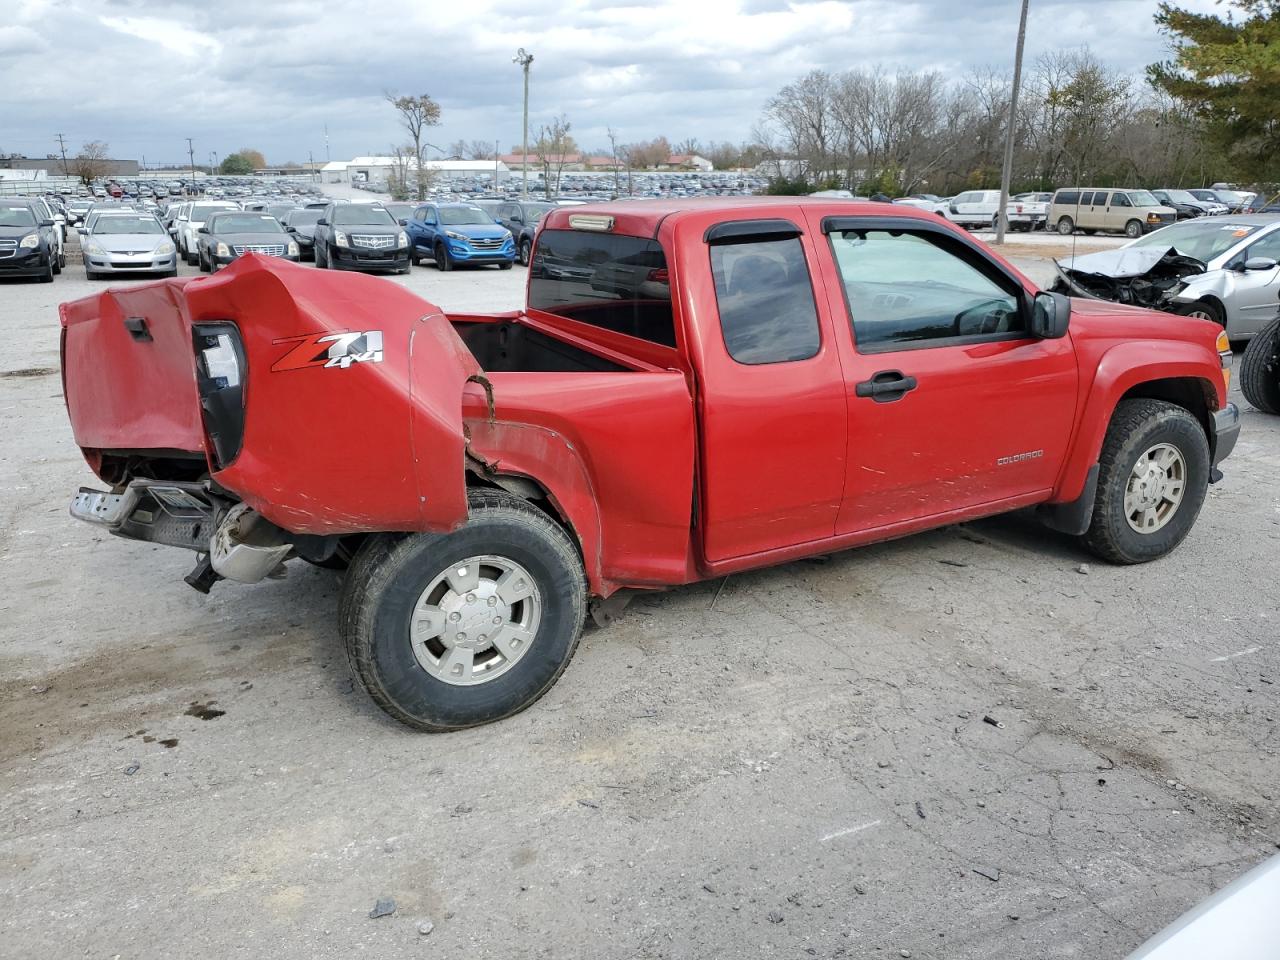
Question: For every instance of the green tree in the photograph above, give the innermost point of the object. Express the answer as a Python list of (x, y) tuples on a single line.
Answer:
[(1226, 71), (236, 165)]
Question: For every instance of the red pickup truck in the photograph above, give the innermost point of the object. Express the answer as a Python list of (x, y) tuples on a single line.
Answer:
[(694, 388)]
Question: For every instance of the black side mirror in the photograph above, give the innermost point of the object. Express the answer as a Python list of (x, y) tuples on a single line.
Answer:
[(1050, 314), (322, 222), (46, 223), (203, 230), (1260, 263), (404, 222), (516, 218)]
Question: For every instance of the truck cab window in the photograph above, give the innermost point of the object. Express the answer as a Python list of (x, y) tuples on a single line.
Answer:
[(905, 290), (765, 296), (608, 280)]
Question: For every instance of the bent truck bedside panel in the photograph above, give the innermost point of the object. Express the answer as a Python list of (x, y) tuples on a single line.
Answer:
[(339, 437), (615, 453)]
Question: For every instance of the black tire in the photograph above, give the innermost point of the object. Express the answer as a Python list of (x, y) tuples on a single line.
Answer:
[(1133, 229), (526, 252), (204, 264), (1066, 226), (1205, 310), (504, 266), (387, 578), (444, 262), (1089, 233), (322, 262), (1136, 427), (1260, 369), (57, 264), (91, 274), (48, 276), (169, 274), (414, 259)]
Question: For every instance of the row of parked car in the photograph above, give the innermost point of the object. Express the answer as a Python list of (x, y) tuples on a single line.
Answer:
[(1089, 209)]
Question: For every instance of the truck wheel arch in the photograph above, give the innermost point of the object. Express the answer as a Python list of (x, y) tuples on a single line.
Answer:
[(1123, 375), (542, 467)]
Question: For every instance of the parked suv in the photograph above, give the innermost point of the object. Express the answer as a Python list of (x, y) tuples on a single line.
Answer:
[(28, 247), (360, 236), (521, 218), (1131, 212), (453, 233)]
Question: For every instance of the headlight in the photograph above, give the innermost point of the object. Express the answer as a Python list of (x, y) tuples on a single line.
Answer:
[(30, 241), (94, 249), (163, 250), (293, 249), (403, 239), (222, 251), (339, 238), (461, 237)]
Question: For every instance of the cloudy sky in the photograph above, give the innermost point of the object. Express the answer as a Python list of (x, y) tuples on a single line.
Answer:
[(145, 74)]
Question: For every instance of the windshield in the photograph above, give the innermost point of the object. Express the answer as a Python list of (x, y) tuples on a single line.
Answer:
[(17, 217), (533, 212), (1143, 198), (401, 211), (202, 212), (360, 214), (107, 225), (302, 218), (1179, 196), (457, 216), (244, 223), (1229, 196), (1202, 239)]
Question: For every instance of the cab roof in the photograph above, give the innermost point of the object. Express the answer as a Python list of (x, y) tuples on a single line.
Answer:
[(642, 218)]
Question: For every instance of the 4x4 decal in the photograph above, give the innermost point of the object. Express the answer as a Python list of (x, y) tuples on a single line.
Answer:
[(337, 350)]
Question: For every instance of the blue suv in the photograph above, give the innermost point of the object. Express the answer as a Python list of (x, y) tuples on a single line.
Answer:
[(458, 233)]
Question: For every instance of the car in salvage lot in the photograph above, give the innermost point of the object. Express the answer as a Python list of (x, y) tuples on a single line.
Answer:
[(1223, 269), (501, 475), (28, 242), (360, 236), (231, 234), (127, 243), (1131, 212), (459, 234)]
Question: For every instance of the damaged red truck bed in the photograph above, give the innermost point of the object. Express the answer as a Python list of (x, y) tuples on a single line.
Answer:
[(693, 388)]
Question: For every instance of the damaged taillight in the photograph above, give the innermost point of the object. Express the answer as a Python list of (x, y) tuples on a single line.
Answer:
[(220, 376)]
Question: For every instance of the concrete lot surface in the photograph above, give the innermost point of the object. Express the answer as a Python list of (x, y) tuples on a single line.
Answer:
[(960, 745)]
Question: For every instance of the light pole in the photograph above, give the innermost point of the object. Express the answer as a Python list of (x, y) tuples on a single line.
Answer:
[(213, 161), (1006, 174), (524, 59)]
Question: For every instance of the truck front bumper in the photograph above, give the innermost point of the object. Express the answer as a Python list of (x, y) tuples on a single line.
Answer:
[(1224, 430)]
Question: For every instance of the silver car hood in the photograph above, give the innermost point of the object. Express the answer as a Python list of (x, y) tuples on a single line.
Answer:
[(129, 242), (1119, 264), (1241, 922)]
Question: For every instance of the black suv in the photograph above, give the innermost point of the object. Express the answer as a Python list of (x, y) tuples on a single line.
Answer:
[(28, 247), (521, 218), (360, 236)]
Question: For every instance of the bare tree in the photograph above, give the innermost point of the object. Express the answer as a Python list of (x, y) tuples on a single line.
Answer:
[(398, 175), (480, 150), (91, 162), (553, 148), (687, 147), (613, 152), (416, 114)]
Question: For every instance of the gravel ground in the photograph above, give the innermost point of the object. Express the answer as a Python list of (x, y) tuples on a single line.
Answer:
[(974, 743)]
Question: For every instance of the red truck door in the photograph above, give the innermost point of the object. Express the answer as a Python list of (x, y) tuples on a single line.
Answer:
[(951, 404), (771, 397)]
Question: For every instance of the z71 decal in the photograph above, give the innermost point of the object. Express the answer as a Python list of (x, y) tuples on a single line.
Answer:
[(330, 350)]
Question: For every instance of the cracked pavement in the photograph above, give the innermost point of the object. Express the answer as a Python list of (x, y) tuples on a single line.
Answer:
[(793, 762)]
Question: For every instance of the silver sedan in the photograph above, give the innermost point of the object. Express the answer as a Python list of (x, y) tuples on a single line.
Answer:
[(120, 243)]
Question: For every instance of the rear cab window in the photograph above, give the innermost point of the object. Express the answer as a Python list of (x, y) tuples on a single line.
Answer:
[(611, 281)]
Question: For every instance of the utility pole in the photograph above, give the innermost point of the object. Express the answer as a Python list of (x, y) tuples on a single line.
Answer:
[(524, 59), (191, 154), (62, 145), (1006, 174), (213, 160), (311, 165), (497, 159), (327, 158)]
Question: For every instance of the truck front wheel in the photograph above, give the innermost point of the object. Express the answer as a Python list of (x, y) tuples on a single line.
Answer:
[(453, 630), (1153, 474)]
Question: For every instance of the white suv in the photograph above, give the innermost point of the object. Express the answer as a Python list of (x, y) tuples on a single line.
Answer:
[(189, 222)]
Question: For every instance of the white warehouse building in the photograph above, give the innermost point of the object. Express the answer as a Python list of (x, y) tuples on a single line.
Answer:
[(376, 169)]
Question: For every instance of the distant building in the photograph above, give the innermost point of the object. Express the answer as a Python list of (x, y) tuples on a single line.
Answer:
[(566, 161), (53, 165), (687, 161), (375, 170)]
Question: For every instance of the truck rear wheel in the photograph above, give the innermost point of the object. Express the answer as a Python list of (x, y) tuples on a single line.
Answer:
[(1260, 369), (1153, 474), (453, 630)]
